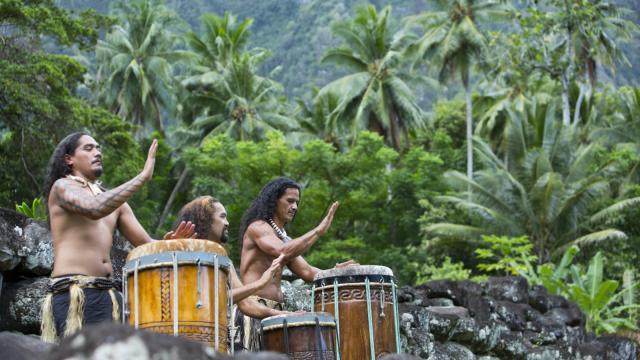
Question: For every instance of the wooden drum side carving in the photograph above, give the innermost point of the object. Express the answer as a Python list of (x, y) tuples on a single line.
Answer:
[(180, 293), (366, 319)]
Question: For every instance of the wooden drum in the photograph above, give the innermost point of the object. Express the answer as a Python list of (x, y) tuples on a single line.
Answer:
[(300, 336), (179, 287), (364, 303)]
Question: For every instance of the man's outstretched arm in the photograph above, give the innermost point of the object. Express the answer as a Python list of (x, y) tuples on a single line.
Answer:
[(71, 197), (268, 242)]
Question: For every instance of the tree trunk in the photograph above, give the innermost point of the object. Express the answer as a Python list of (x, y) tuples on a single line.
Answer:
[(568, 72), (393, 128), (583, 92), (172, 197), (158, 118), (467, 90), (566, 113)]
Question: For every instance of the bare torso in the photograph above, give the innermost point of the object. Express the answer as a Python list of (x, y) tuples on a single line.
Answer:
[(255, 262), (81, 245)]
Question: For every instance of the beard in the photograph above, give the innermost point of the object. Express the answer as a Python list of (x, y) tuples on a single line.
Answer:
[(97, 172), (224, 237)]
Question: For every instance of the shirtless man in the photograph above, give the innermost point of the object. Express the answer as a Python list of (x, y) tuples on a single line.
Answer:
[(263, 239), (83, 216), (210, 219)]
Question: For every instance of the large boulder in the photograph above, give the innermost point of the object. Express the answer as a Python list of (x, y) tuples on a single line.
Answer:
[(20, 305), (16, 346), (508, 288), (25, 244)]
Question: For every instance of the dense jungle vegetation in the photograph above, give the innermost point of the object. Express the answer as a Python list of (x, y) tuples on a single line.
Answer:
[(463, 138)]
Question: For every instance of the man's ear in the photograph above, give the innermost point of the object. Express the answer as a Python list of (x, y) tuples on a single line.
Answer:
[(67, 160)]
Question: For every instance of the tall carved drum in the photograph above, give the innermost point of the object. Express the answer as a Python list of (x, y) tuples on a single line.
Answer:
[(179, 287), (364, 303), (301, 336)]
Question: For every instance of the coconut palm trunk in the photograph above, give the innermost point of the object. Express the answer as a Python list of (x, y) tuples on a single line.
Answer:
[(467, 93)]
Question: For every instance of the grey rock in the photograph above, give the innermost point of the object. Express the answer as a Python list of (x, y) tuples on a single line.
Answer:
[(406, 294), (449, 289), (487, 337), (451, 351), (593, 350), (479, 308), (619, 348), (20, 305), (415, 336), (399, 356), (442, 321), (513, 314), (438, 302), (117, 341), (36, 249), (17, 346), (539, 298), (297, 295), (512, 345), (508, 288), (547, 353), (11, 234), (570, 316)]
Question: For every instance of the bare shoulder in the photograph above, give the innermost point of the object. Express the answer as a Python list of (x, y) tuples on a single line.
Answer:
[(257, 227), (64, 185)]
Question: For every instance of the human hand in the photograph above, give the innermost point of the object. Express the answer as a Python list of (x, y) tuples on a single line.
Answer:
[(147, 171), (326, 222), (346, 264), (185, 230), (276, 266)]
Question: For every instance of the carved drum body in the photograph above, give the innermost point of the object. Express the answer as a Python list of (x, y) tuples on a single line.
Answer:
[(363, 301), (305, 336), (180, 288)]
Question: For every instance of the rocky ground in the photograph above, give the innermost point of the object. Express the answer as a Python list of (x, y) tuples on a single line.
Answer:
[(500, 319)]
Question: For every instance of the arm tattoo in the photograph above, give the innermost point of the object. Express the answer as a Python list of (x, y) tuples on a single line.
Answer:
[(97, 206)]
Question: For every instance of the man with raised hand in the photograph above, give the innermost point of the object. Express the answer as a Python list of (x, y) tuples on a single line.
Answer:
[(83, 216)]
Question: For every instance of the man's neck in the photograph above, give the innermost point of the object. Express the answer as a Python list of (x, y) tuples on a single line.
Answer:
[(78, 175), (278, 222)]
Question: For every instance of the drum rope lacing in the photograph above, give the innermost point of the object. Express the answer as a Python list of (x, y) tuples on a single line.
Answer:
[(135, 294), (175, 293), (396, 323), (370, 318), (199, 288)]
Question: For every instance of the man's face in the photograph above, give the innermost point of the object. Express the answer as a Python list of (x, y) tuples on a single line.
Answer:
[(86, 160), (220, 224), (287, 205)]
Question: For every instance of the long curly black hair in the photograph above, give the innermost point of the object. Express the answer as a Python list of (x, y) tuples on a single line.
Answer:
[(264, 205), (57, 167), (200, 212)]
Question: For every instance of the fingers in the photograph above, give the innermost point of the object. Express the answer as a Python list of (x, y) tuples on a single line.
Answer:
[(185, 230), (153, 148)]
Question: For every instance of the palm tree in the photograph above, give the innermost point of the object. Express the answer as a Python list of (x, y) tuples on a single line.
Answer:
[(135, 71), (240, 103), (549, 191), (376, 95), (598, 25), (319, 119), (222, 39), (453, 40)]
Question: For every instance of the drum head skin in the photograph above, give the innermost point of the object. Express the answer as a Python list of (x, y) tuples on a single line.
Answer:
[(354, 274), (293, 320), (190, 245)]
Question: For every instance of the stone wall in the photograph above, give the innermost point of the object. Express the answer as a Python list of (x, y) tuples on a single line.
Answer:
[(500, 319)]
